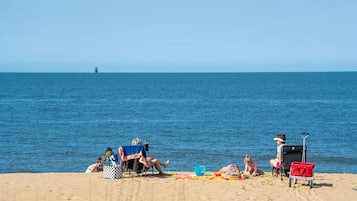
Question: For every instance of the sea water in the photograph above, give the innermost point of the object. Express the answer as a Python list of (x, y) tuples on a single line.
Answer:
[(62, 122)]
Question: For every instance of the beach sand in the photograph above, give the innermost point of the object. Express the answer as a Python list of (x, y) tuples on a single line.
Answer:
[(92, 186)]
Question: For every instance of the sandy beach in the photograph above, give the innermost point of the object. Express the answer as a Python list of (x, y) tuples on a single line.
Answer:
[(176, 186)]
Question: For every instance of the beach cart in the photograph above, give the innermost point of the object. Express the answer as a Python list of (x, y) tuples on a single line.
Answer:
[(302, 170)]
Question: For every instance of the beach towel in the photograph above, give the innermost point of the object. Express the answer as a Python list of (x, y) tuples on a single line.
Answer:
[(209, 176), (132, 152), (212, 176)]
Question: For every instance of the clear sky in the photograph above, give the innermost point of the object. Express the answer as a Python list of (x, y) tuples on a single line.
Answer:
[(178, 36)]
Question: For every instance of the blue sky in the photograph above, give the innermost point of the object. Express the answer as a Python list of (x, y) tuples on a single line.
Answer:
[(177, 36)]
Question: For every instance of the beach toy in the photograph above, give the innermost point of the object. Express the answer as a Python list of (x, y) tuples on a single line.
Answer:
[(218, 174), (200, 170)]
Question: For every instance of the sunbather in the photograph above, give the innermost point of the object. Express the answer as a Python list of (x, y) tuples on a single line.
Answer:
[(152, 162), (230, 171)]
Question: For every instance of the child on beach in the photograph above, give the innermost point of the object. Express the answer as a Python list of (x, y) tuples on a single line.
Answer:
[(251, 167), (113, 157), (95, 167), (280, 141)]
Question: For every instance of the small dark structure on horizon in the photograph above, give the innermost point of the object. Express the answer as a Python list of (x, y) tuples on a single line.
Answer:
[(95, 69)]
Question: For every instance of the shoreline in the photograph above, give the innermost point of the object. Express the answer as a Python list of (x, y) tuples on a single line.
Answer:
[(92, 186)]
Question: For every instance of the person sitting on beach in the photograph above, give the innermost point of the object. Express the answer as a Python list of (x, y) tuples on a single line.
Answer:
[(251, 167), (152, 162), (102, 160), (230, 171), (280, 141), (113, 157), (96, 167)]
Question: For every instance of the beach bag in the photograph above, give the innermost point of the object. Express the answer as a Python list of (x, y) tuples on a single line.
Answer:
[(302, 169), (112, 172)]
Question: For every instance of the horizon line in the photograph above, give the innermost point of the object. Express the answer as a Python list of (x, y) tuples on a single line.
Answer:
[(108, 72)]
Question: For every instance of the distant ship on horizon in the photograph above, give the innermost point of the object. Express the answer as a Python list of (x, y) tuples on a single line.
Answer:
[(95, 69)]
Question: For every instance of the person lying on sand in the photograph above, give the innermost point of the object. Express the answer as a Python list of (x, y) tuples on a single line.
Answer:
[(230, 171)]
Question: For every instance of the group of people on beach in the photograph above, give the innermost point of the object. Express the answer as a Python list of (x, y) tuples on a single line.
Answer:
[(230, 171), (113, 158), (251, 168), (233, 171), (98, 166)]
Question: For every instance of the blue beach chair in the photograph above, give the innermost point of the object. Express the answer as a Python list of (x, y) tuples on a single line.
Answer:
[(133, 159)]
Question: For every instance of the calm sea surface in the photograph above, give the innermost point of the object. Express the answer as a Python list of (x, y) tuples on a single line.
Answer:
[(61, 122)]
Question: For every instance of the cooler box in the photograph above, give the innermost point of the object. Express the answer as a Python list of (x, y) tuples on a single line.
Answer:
[(302, 169)]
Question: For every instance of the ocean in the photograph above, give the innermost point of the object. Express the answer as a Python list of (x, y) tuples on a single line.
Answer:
[(62, 122)]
